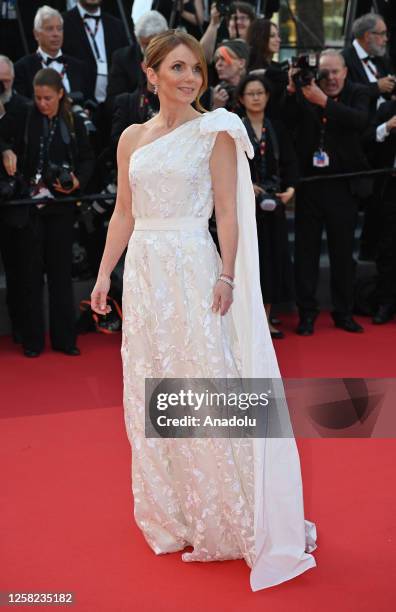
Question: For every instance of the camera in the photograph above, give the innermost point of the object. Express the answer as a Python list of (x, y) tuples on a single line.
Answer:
[(12, 187), (60, 172), (308, 70), (83, 109), (224, 7), (268, 201)]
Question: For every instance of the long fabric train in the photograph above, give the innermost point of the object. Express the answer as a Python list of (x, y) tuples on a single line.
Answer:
[(227, 498)]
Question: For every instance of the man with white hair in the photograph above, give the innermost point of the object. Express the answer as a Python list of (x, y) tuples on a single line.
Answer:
[(48, 32), (126, 73), (366, 58)]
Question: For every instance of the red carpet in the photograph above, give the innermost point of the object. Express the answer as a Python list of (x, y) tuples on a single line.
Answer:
[(66, 509)]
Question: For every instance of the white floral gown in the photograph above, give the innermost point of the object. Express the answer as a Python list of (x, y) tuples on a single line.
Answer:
[(228, 499)]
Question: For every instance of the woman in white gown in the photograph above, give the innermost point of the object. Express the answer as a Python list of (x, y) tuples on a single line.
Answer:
[(227, 498)]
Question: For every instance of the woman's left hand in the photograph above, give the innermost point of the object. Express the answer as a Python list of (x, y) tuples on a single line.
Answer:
[(222, 297), (58, 187), (287, 195)]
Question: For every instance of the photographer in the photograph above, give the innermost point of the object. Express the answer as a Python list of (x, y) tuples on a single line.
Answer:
[(230, 59), (329, 116), (51, 152), (227, 20), (381, 141), (274, 174)]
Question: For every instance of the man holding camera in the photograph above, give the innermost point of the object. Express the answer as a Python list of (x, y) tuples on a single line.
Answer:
[(329, 115)]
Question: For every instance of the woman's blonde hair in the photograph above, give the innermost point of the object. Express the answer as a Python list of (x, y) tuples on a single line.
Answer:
[(162, 44)]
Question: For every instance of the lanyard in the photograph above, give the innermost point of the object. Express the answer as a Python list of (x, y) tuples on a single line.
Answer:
[(323, 126), (45, 143), (93, 37)]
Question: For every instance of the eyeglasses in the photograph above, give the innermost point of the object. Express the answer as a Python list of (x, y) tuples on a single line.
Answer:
[(253, 94), (383, 34), (240, 18)]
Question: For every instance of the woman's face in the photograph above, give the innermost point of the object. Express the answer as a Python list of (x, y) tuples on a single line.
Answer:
[(228, 67), (238, 25), (179, 77), (274, 40), (47, 100), (255, 97)]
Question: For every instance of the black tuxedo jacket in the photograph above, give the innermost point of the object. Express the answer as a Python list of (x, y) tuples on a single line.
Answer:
[(126, 74), (16, 109), (27, 66), (381, 154), (128, 110), (76, 41), (357, 73)]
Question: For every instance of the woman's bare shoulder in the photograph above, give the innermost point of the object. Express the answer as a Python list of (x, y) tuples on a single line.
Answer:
[(130, 137)]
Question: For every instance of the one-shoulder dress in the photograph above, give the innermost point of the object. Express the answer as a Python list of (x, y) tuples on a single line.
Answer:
[(227, 498)]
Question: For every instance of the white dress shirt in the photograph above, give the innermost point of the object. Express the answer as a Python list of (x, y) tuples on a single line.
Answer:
[(369, 68), (99, 53), (58, 66)]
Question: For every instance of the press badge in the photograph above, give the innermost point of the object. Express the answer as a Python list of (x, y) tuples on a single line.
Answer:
[(321, 159)]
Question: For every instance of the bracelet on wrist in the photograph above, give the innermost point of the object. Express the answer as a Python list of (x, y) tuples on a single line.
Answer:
[(226, 280), (227, 276)]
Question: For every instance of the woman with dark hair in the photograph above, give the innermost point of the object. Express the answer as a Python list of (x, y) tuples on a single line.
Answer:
[(51, 151), (264, 42), (274, 174)]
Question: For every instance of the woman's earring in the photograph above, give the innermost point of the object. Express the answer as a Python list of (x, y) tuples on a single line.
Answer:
[(155, 90)]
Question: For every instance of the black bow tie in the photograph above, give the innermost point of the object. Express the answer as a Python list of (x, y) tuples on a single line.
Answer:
[(59, 59), (88, 16), (369, 58)]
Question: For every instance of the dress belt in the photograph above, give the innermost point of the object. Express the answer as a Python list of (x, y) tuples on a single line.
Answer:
[(143, 224)]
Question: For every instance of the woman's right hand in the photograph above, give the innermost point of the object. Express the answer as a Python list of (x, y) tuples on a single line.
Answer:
[(9, 162), (99, 296), (220, 97)]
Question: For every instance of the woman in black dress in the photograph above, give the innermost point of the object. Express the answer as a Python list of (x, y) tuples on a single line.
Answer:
[(274, 171)]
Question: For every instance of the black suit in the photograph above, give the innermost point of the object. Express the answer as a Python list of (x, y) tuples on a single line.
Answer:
[(328, 203), (126, 73), (27, 67), (76, 41), (357, 73), (384, 154), (129, 108)]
